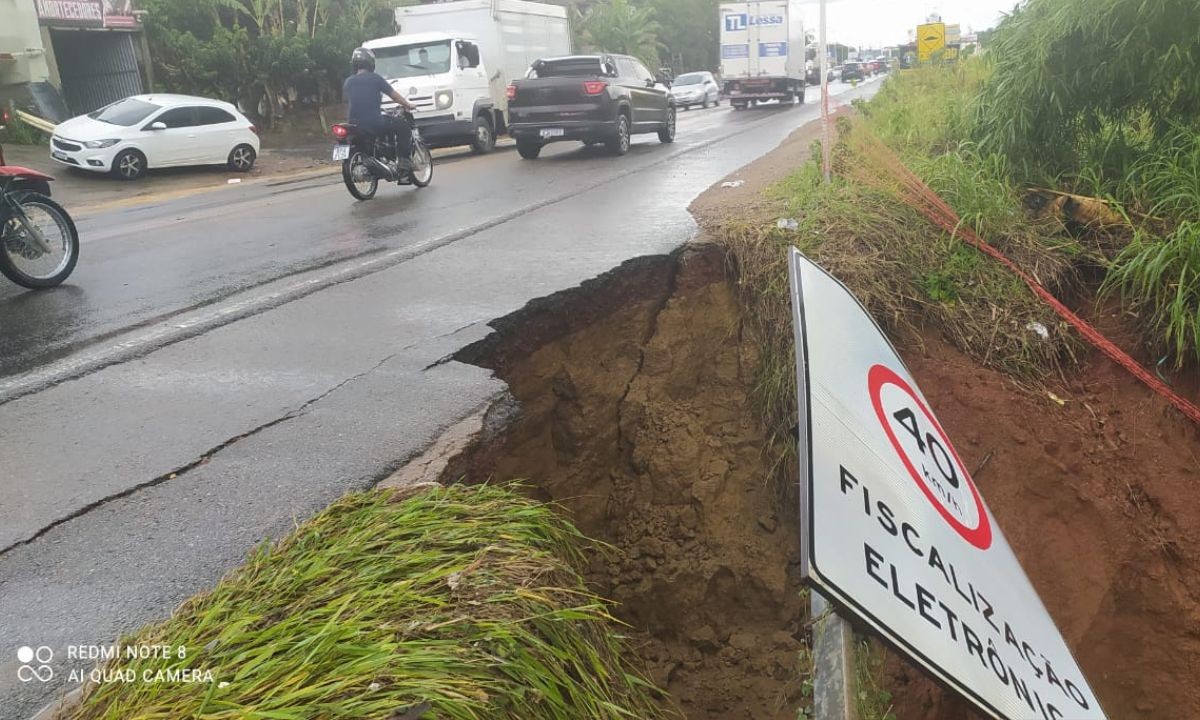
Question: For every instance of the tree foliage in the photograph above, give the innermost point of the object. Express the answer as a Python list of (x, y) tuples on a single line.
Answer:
[(687, 34), (264, 55), (619, 26), (1066, 69)]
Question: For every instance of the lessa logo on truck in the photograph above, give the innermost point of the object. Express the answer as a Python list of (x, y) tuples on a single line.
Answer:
[(741, 21)]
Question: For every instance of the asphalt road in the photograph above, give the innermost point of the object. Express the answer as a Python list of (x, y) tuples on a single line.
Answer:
[(224, 364)]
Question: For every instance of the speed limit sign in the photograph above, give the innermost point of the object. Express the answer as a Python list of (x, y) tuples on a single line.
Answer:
[(895, 531)]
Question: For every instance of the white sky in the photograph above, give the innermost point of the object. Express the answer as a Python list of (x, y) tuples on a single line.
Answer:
[(878, 23)]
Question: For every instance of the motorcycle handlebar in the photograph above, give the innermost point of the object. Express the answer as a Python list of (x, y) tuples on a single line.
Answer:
[(399, 112)]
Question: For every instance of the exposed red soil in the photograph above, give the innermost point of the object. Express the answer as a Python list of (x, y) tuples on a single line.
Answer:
[(1097, 499), (636, 418)]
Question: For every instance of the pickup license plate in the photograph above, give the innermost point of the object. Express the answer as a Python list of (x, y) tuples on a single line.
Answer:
[(58, 155), (551, 132), (341, 152)]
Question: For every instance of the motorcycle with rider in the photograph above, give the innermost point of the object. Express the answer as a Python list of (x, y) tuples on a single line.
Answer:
[(377, 144)]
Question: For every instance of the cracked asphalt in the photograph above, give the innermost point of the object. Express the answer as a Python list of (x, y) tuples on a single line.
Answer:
[(221, 366)]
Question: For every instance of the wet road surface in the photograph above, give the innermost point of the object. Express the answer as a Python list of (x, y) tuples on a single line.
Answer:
[(225, 364)]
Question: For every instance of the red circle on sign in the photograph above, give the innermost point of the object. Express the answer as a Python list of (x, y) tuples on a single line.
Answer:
[(879, 375)]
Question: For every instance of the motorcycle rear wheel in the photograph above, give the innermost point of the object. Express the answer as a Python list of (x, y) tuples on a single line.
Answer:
[(19, 259), (359, 179)]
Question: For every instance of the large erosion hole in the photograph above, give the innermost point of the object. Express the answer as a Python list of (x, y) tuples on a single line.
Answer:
[(633, 413)]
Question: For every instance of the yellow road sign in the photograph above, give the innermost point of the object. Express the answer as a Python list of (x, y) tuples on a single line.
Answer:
[(930, 39)]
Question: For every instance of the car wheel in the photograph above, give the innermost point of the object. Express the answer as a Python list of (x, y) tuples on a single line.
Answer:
[(619, 144), (667, 132), (704, 105), (241, 158), (129, 165), (485, 139), (529, 149)]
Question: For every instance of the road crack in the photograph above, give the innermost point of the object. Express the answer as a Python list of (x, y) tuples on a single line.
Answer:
[(202, 459)]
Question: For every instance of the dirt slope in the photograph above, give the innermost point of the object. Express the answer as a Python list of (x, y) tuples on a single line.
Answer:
[(638, 423), (1096, 496)]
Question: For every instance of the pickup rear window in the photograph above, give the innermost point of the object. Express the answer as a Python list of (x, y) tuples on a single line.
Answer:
[(572, 67)]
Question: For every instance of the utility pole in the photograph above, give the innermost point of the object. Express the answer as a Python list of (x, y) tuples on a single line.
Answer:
[(827, 134)]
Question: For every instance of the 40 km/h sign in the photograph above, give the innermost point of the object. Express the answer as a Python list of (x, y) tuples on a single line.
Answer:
[(930, 38), (896, 533)]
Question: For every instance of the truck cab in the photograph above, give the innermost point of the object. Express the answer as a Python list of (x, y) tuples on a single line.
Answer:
[(444, 76)]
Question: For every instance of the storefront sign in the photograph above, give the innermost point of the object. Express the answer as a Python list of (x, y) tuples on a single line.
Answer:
[(897, 534), (87, 13), (71, 13)]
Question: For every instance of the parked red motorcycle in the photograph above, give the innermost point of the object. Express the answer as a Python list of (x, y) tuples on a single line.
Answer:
[(39, 244)]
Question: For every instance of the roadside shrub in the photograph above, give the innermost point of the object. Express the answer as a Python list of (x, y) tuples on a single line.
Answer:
[(1064, 69), (458, 602)]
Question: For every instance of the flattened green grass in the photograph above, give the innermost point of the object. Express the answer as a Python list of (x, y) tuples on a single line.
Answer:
[(455, 603)]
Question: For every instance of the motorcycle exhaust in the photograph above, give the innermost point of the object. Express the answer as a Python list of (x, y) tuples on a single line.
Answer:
[(380, 169)]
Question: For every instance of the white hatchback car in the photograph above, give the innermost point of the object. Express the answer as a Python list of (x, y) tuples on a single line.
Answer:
[(154, 131)]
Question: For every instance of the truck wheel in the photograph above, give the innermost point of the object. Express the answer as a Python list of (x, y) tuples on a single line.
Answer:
[(485, 138), (529, 149), (619, 144), (738, 106)]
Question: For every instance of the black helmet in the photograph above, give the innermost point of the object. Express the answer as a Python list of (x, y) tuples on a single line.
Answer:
[(362, 59)]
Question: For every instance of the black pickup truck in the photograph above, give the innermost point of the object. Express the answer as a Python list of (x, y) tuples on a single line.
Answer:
[(591, 98)]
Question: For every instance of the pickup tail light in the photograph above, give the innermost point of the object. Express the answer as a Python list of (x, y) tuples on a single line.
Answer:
[(594, 87), (510, 92), (339, 131)]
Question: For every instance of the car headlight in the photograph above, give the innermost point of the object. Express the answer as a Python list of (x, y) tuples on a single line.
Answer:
[(443, 99), (98, 144)]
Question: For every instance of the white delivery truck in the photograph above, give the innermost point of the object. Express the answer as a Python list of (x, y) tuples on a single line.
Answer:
[(454, 60), (762, 52)]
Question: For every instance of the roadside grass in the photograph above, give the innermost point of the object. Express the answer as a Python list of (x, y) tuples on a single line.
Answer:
[(1160, 278), (871, 699), (926, 111), (458, 602), (909, 275), (1157, 274)]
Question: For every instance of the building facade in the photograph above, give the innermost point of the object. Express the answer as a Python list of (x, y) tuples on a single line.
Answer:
[(67, 57)]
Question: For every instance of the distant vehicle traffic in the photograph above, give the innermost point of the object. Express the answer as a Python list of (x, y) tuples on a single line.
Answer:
[(590, 98), (812, 74), (453, 60), (142, 132), (695, 88), (853, 71), (762, 52)]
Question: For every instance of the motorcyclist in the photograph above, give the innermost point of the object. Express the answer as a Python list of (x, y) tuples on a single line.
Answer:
[(364, 91)]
